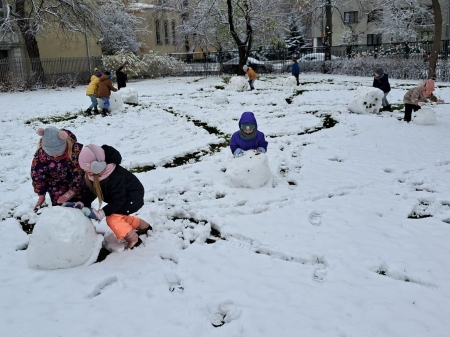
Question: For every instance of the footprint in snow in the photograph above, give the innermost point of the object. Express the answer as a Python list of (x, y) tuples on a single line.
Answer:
[(315, 218)]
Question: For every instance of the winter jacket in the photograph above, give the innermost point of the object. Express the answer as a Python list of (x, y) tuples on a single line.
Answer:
[(251, 73), (382, 83), (122, 190), (238, 142), (416, 95), (122, 78), (58, 175), (93, 85), (295, 69), (105, 87)]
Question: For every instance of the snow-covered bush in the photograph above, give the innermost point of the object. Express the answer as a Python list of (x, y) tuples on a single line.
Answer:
[(366, 100), (424, 116), (219, 97), (150, 65), (250, 170), (63, 238), (238, 83), (129, 95)]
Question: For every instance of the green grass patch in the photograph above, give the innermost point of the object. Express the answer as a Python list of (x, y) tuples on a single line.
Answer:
[(56, 119)]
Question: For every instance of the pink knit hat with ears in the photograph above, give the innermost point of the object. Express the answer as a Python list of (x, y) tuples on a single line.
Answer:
[(429, 85), (53, 140)]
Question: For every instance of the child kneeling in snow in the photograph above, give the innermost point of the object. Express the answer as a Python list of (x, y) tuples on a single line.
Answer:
[(248, 137), (121, 189)]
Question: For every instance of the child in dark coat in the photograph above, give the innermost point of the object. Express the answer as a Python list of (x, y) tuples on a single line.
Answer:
[(295, 70), (122, 78), (55, 169), (121, 189), (381, 81), (248, 137)]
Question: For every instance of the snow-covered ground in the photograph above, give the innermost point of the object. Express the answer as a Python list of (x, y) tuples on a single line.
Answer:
[(350, 236)]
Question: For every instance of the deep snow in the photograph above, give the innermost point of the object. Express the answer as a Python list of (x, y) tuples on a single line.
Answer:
[(350, 237)]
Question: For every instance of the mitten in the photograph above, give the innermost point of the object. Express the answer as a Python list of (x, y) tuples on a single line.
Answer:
[(238, 152), (420, 103), (261, 150), (77, 204), (93, 213)]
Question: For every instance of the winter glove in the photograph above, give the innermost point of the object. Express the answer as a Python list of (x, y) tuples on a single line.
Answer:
[(40, 201), (92, 213), (440, 101), (77, 204), (261, 150), (238, 152), (65, 197), (420, 103)]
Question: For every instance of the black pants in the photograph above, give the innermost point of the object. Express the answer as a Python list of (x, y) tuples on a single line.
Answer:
[(296, 77), (409, 108)]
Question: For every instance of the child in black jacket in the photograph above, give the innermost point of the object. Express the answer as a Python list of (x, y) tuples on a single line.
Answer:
[(381, 81)]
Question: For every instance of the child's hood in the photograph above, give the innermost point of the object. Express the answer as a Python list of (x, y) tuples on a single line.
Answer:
[(112, 156), (248, 117), (104, 78)]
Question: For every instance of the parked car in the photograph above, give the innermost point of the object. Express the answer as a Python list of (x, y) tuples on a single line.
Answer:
[(231, 66), (316, 57)]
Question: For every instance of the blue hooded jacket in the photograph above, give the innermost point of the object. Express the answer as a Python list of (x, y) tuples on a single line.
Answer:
[(238, 142), (295, 69)]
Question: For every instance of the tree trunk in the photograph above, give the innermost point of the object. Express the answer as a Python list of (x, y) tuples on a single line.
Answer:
[(436, 41), (30, 41), (328, 33), (243, 46)]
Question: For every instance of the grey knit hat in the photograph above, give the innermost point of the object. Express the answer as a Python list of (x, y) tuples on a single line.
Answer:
[(379, 71), (245, 67), (53, 140)]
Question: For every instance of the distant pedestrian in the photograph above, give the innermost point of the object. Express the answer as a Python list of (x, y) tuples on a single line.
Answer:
[(295, 70), (104, 90), (381, 81), (251, 76), (122, 78)]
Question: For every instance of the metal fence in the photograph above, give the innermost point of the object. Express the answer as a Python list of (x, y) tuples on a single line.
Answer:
[(29, 74)]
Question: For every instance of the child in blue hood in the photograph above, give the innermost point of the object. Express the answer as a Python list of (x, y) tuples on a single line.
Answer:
[(248, 137)]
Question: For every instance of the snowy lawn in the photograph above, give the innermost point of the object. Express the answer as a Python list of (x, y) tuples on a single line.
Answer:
[(350, 236)]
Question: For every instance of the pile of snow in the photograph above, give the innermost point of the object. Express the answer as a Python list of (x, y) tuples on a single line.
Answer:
[(250, 170), (238, 83), (129, 95), (63, 238), (288, 81), (115, 103), (367, 100), (219, 97), (425, 116)]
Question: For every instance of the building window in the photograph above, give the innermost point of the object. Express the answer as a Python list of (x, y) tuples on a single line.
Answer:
[(375, 15), (351, 17), (374, 39), (166, 32), (174, 33), (158, 31)]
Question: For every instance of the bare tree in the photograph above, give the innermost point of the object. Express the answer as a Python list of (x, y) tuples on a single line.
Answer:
[(436, 40), (43, 17)]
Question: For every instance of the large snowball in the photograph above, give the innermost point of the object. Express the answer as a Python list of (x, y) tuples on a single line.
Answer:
[(425, 116), (367, 100), (129, 95), (250, 170), (115, 103), (238, 83), (288, 81), (219, 97), (62, 238)]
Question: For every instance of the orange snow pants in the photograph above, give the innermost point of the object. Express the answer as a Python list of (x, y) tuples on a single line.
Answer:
[(121, 224)]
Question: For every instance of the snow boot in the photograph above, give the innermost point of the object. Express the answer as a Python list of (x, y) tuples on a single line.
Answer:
[(105, 112), (88, 111), (132, 240), (143, 227), (96, 112), (388, 108)]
